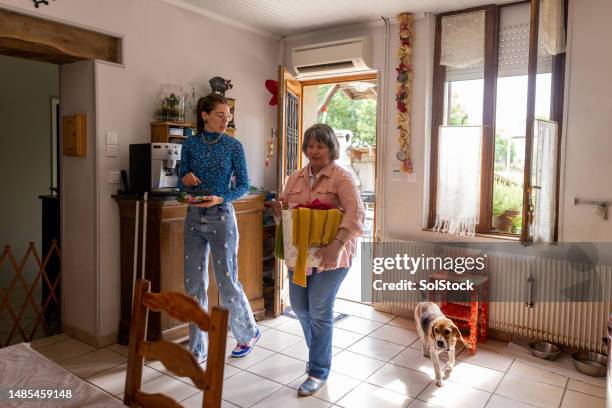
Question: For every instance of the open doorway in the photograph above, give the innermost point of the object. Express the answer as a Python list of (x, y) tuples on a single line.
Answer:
[(47, 195), (29, 220), (349, 107)]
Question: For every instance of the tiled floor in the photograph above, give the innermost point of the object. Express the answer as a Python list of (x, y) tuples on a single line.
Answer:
[(377, 363)]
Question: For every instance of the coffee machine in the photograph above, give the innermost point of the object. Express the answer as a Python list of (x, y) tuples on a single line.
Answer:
[(154, 168)]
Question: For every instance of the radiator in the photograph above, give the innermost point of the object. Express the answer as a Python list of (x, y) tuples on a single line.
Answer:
[(576, 324)]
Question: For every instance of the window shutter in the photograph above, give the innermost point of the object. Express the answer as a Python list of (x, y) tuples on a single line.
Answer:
[(514, 43), (513, 48)]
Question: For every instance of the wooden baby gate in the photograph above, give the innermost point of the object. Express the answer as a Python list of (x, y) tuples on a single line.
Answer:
[(41, 278)]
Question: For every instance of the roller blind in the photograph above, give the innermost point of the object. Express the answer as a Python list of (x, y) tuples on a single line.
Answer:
[(513, 54)]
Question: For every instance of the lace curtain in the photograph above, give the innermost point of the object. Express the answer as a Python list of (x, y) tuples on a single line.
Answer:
[(458, 195), (552, 26), (544, 170), (462, 42)]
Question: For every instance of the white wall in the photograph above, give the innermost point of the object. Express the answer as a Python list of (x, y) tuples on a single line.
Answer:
[(162, 44), (25, 140), (588, 125)]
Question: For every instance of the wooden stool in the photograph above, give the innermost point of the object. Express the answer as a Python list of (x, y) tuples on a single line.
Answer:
[(475, 316)]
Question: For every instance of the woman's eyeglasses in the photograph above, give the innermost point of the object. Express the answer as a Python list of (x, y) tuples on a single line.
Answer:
[(224, 116)]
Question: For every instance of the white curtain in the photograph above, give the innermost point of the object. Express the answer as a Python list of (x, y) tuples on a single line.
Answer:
[(543, 180), (458, 194), (552, 26), (462, 42)]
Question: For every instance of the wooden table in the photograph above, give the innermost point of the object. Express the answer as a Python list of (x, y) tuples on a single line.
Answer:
[(23, 368)]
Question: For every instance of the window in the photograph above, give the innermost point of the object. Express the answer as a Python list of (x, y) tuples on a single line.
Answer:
[(492, 96)]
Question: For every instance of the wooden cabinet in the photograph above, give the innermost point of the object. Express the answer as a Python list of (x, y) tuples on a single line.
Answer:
[(75, 135), (164, 258)]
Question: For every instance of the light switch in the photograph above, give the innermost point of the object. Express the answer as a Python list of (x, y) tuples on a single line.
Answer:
[(114, 177), (112, 151), (111, 138)]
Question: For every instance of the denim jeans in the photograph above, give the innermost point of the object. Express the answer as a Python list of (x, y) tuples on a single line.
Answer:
[(314, 306), (213, 230)]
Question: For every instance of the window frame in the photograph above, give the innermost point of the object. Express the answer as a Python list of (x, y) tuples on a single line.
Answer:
[(492, 21)]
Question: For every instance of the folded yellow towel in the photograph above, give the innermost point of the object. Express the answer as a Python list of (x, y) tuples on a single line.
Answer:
[(317, 227), (334, 218), (312, 228), (301, 231)]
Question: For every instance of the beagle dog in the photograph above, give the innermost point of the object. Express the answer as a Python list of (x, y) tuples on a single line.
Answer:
[(438, 334)]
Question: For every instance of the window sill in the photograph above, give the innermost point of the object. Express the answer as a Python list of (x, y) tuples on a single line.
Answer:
[(490, 235)]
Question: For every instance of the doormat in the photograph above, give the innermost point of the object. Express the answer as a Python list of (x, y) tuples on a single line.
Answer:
[(290, 313)]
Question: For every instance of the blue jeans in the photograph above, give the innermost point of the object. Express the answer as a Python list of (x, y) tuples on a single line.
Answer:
[(214, 230), (314, 306)]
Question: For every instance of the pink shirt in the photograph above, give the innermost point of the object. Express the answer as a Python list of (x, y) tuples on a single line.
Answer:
[(335, 187)]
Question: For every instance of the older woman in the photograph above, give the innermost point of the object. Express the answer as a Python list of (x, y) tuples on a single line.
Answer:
[(326, 181)]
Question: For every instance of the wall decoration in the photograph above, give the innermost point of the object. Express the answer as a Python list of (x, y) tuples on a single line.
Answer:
[(37, 3), (403, 95), (272, 87), (270, 148), (220, 85)]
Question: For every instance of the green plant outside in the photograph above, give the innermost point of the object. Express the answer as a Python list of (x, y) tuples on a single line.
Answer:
[(358, 116), (508, 198)]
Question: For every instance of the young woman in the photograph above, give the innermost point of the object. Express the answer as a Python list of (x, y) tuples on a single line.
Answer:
[(208, 161)]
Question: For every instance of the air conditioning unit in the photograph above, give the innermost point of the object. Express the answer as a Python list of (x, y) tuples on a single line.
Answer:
[(333, 58)]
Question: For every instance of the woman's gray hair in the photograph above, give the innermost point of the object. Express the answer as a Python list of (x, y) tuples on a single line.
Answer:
[(323, 134)]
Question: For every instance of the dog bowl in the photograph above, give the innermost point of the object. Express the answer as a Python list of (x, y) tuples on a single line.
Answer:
[(544, 349), (593, 364)]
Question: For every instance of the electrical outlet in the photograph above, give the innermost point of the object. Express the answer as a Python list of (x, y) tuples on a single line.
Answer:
[(114, 177), (111, 138)]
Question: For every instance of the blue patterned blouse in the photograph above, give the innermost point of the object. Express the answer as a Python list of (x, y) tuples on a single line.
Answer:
[(214, 157)]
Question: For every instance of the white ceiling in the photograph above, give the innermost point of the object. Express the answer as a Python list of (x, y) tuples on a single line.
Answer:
[(288, 17)]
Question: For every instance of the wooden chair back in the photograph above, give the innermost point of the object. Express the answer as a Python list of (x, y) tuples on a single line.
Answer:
[(174, 357)]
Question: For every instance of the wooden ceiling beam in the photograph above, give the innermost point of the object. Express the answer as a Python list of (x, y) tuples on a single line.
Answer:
[(43, 40)]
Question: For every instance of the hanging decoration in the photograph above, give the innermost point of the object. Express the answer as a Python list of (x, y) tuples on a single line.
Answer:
[(403, 95), (37, 3), (270, 148)]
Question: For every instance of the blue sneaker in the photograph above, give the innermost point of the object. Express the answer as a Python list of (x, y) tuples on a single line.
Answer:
[(242, 350)]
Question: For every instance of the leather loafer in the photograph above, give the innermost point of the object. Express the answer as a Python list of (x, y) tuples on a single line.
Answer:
[(310, 386)]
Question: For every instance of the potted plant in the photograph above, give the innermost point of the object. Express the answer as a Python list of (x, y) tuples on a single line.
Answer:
[(507, 202)]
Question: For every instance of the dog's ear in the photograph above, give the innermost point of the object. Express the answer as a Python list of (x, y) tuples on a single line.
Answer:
[(432, 335), (458, 335)]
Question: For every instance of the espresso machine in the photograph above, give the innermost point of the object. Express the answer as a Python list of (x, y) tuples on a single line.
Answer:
[(154, 168)]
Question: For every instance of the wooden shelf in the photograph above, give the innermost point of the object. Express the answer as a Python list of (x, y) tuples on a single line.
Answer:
[(173, 124), (160, 130)]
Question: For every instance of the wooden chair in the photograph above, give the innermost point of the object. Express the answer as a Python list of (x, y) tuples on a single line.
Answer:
[(174, 356)]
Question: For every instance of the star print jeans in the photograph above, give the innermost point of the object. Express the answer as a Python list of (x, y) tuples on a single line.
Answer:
[(213, 230)]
